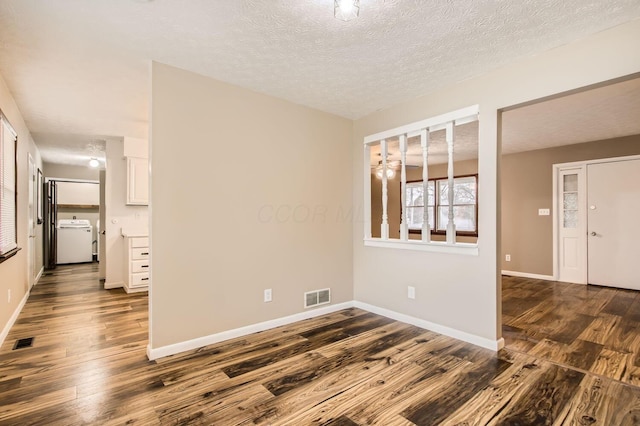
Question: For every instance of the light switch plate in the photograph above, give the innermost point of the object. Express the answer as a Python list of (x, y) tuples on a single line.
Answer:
[(544, 212)]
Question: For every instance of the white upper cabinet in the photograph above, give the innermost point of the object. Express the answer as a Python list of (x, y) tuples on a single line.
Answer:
[(137, 181), (78, 194)]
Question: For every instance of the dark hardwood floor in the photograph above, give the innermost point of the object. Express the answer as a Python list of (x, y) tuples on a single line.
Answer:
[(88, 365), (588, 328)]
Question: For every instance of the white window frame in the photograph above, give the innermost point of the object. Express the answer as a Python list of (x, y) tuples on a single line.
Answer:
[(8, 190), (421, 128)]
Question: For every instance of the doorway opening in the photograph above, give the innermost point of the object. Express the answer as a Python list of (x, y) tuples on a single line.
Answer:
[(72, 224)]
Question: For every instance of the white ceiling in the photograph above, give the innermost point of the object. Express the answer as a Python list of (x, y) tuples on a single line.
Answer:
[(79, 67)]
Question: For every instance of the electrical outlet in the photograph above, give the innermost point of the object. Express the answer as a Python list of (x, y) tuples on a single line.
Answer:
[(411, 292), (507, 257), (267, 295), (9, 296), (544, 212)]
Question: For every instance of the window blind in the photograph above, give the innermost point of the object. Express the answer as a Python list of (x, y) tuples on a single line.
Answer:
[(8, 137)]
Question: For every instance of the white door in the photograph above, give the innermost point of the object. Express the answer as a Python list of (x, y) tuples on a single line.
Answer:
[(571, 221), (613, 223), (31, 256)]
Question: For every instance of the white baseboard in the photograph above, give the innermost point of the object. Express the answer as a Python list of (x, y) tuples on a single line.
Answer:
[(12, 320), (38, 276), (117, 284), (494, 345), (155, 353), (528, 275), (135, 289)]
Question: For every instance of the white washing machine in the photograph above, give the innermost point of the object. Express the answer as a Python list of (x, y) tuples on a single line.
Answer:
[(75, 238)]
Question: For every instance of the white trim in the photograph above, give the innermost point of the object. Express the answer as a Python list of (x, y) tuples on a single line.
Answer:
[(242, 331), (200, 342), (419, 245), (14, 317), (578, 164), (116, 284), (38, 276), (528, 275), (461, 115), (135, 289), (554, 213), (494, 345)]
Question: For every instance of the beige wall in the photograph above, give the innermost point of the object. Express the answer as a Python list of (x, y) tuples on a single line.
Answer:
[(527, 187), (456, 291), (219, 235), (14, 275)]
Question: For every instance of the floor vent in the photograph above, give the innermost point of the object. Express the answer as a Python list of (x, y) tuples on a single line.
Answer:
[(23, 343), (317, 297)]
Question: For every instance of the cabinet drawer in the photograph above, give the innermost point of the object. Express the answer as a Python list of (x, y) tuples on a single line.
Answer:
[(139, 280), (139, 253), (140, 266), (140, 242)]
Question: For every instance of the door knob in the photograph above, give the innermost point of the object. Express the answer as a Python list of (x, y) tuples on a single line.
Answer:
[(593, 234)]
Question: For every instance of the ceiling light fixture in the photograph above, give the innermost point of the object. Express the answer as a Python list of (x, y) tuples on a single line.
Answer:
[(94, 162), (346, 10), (390, 172)]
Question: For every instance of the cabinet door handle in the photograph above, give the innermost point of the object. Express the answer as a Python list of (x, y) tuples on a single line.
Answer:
[(145, 253), (144, 266), (145, 279)]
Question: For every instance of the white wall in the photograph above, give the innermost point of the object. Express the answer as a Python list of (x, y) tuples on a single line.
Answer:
[(462, 292), (118, 214), (14, 274)]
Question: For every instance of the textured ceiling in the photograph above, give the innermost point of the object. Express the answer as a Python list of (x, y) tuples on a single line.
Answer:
[(602, 113), (80, 67), (74, 150)]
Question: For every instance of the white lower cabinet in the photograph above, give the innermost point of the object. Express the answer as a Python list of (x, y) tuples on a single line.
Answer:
[(137, 261)]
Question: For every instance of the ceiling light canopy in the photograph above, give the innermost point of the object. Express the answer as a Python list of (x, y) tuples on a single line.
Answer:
[(346, 10)]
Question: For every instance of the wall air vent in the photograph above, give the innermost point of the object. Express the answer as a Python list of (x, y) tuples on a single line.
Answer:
[(317, 297)]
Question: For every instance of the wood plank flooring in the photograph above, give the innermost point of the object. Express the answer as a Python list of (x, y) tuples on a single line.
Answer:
[(88, 365), (588, 328)]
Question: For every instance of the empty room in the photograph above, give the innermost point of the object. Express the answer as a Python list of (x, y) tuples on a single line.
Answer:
[(331, 212)]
